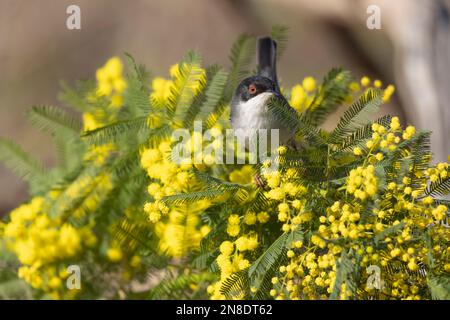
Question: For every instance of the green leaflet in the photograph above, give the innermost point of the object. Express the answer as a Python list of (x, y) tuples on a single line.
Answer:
[(357, 116), (23, 165), (271, 259), (439, 287), (51, 119)]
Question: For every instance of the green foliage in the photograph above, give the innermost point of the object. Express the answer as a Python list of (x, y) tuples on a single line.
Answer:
[(284, 114), (242, 53), (332, 93), (23, 164), (439, 287), (183, 92), (213, 97), (184, 198), (76, 96), (178, 287), (51, 120), (137, 93), (115, 131), (346, 271), (236, 286), (11, 288), (439, 188), (263, 269), (280, 34), (356, 116)]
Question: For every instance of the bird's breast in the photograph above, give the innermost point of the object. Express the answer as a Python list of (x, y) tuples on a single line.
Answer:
[(252, 114)]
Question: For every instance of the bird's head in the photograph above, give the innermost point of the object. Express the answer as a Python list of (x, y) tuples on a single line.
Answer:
[(252, 87)]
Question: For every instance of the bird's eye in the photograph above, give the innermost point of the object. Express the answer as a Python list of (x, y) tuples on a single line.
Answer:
[(252, 89)]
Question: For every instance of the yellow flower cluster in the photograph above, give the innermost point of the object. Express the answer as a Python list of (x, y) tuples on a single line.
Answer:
[(311, 271), (243, 175), (362, 182), (110, 81), (99, 154), (291, 210), (232, 253), (230, 260), (44, 245), (162, 88), (91, 188), (301, 95), (384, 140), (306, 273), (110, 84), (387, 92), (440, 171), (369, 216), (177, 226), (91, 122)]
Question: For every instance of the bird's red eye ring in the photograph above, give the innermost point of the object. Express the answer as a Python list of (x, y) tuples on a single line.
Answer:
[(252, 89)]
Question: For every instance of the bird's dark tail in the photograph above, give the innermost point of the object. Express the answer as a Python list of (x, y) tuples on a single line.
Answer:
[(267, 58)]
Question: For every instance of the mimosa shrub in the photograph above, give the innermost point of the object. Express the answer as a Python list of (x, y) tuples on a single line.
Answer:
[(358, 212)]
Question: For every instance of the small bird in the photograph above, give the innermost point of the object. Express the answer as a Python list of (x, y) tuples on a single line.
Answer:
[(249, 105)]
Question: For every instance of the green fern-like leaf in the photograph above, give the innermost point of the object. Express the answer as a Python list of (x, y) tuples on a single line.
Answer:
[(22, 164), (117, 130), (178, 287), (280, 34), (300, 125), (237, 285), (284, 113), (183, 91), (52, 119), (184, 198), (439, 287), (443, 202), (136, 96), (419, 159), (441, 187), (200, 98), (273, 256), (346, 271), (137, 71), (76, 97), (214, 183), (332, 92), (213, 94), (68, 148), (357, 116), (74, 195), (389, 231), (242, 53), (131, 235), (398, 154), (358, 138)]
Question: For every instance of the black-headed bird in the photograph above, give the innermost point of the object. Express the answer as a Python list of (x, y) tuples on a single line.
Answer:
[(249, 106)]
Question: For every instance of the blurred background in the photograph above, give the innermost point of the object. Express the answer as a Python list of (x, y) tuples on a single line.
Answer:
[(411, 50)]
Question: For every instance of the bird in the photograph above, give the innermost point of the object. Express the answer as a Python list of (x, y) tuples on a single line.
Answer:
[(249, 105)]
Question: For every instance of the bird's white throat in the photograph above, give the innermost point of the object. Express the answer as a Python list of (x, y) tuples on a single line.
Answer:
[(253, 113), (252, 116)]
